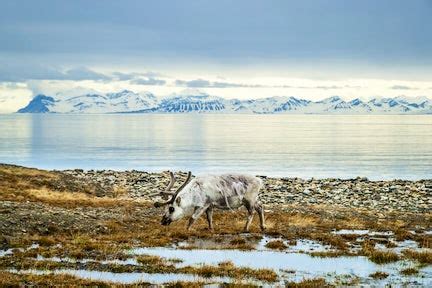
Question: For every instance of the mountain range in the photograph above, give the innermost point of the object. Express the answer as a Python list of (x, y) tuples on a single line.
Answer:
[(195, 101)]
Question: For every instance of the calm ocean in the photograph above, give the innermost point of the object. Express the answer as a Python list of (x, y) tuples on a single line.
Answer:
[(377, 147)]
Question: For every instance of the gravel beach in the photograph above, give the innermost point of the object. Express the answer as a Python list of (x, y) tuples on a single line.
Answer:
[(392, 195)]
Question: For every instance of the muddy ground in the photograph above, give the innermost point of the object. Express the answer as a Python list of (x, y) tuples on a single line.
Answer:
[(46, 215)]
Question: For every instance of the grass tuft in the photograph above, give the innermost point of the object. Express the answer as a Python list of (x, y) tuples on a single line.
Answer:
[(329, 254), (409, 271), (309, 283), (424, 257), (228, 269), (379, 275), (383, 257), (276, 245), (378, 256)]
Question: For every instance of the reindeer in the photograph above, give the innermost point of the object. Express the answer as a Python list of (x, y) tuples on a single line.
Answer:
[(204, 193)]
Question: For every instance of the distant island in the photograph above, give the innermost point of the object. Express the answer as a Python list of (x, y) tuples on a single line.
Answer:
[(195, 101)]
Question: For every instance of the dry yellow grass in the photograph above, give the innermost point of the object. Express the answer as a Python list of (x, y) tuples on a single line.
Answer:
[(75, 199), (184, 284), (378, 256), (27, 184), (379, 275), (329, 254), (8, 279), (276, 244), (309, 283), (409, 271), (383, 257), (424, 257), (227, 269)]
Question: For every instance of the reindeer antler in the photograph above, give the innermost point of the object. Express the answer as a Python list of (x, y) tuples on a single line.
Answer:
[(189, 175), (168, 192)]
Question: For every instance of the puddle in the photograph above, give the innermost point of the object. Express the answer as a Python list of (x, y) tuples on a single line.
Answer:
[(351, 232), (302, 245), (304, 265), (401, 245), (128, 278), (363, 232), (130, 261), (10, 251), (291, 264), (6, 252), (221, 242)]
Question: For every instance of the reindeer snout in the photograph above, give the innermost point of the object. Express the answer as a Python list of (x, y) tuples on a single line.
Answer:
[(166, 221)]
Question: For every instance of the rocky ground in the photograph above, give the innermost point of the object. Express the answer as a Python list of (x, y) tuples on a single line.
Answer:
[(392, 195)]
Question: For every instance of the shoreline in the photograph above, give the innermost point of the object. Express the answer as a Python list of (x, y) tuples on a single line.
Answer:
[(213, 172)]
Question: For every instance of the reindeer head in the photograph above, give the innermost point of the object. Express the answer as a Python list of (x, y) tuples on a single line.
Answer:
[(174, 210)]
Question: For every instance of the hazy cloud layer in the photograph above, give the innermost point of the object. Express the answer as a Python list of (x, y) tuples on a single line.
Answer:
[(148, 81), (202, 83), (14, 73), (129, 76), (23, 73), (402, 87)]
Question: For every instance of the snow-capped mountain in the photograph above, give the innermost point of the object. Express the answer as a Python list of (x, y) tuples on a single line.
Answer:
[(195, 101), (191, 101), (123, 101), (39, 104)]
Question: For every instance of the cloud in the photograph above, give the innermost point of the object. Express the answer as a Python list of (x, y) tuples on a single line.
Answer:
[(231, 85), (321, 87), (129, 76), (328, 87), (22, 72), (202, 83), (83, 73), (402, 87), (197, 83), (148, 81), (17, 72)]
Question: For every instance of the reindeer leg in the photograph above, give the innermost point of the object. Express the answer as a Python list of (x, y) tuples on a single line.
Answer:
[(197, 213), (250, 215), (209, 213), (260, 210)]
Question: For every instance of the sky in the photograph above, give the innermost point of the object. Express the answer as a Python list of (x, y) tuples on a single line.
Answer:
[(235, 49)]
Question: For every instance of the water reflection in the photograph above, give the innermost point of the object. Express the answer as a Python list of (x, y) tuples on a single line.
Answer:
[(284, 145)]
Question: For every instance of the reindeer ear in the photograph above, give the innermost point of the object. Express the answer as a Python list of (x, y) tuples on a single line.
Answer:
[(178, 199)]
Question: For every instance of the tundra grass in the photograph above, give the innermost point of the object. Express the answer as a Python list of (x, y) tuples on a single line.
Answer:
[(146, 264), (423, 257), (276, 245), (383, 257), (227, 269), (10, 279), (409, 271), (379, 275), (309, 283)]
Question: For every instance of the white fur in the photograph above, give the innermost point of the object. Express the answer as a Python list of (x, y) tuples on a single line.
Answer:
[(227, 191)]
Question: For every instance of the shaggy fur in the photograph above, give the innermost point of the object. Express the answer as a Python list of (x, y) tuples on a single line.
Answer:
[(204, 193)]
